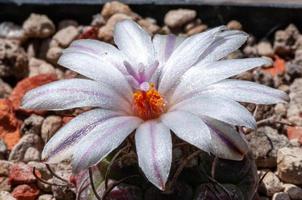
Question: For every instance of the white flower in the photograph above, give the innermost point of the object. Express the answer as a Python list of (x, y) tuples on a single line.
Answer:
[(152, 87)]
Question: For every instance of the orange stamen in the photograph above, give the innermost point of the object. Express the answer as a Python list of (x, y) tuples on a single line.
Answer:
[(149, 104)]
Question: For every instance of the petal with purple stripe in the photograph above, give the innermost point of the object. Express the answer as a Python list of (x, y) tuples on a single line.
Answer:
[(60, 146), (154, 150), (189, 128), (73, 93), (100, 142), (227, 143)]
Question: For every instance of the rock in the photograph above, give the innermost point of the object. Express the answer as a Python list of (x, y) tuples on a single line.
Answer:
[(295, 105), (32, 125), (5, 184), (29, 140), (270, 184), (53, 54), (197, 29), (180, 17), (106, 32), (3, 149), (149, 25), (295, 133), (270, 142), (26, 192), (66, 35), (97, 20), (280, 110), (6, 196), (46, 197), (67, 22), (45, 175), (293, 70), (32, 154), (38, 26), (284, 42), (250, 50), (294, 192), (114, 7), (12, 31), (5, 167), (265, 49), (37, 66), (5, 89), (234, 25), (281, 196), (289, 166), (13, 59), (49, 127), (21, 173)]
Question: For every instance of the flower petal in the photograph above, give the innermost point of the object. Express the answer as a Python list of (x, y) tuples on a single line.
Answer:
[(154, 150), (225, 110), (92, 66), (99, 49), (227, 42), (246, 91), (185, 56), (189, 128), (164, 46), (100, 142), (134, 42), (227, 143), (60, 146), (73, 93), (199, 77)]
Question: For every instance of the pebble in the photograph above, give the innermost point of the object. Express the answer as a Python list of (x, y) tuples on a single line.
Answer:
[(12, 31), (106, 32), (265, 48), (5, 89), (5, 184), (5, 167), (12, 52), (50, 126), (4, 195), (289, 166), (32, 154), (294, 192), (295, 105), (21, 173), (197, 29), (53, 54), (29, 140), (266, 156), (3, 149), (270, 184), (98, 20), (234, 25), (46, 197), (66, 35), (32, 125), (38, 66), (26, 192), (38, 26), (114, 7), (149, 26), (179, 17), (281, 196)]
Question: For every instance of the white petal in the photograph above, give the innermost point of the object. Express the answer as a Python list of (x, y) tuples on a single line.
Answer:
[(227, 143), (189, 128), (154, 151), (225, 110), (184, 56), (199, 77), (225, 43), (134, 42), (103, 50), (60, 146), (164, 46), (92, 66), (100, 142), (73, 93), (246, 91)]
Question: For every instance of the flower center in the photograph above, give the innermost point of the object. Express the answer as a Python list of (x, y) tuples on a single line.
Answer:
[(148, 104)]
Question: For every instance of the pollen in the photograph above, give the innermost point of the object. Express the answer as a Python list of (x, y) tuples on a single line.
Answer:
[(148, 104)]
